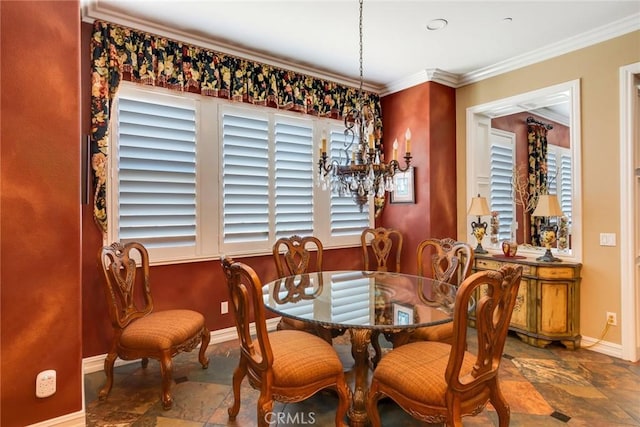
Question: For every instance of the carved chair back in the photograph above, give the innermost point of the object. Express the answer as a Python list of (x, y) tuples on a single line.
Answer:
[(245, 298), (293, 255), (451, 260), (385, 244), (498, 291), (128, 293)]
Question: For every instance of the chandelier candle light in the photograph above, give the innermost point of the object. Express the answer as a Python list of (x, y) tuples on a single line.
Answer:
[(362, 171)]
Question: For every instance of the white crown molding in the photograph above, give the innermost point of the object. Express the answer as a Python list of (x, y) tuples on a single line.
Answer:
[(597, 35), (429, 75)]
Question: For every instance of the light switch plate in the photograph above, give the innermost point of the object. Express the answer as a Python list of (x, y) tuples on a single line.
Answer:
[(607, 239)]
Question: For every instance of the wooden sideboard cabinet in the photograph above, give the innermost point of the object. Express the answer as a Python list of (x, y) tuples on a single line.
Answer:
[(548, 304)]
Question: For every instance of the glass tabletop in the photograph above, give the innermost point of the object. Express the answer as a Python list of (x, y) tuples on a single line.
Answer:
[(361, 299)]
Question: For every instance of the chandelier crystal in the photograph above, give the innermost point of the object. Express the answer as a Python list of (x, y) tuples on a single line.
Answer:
[(362, 172)]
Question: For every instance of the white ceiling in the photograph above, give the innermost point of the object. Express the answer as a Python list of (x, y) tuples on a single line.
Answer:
[(321, 37)]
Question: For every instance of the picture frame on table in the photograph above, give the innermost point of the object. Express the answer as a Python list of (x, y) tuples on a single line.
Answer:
[(404, 187), (402, 314)]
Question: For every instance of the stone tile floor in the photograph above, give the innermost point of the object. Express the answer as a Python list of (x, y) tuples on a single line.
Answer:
[(544, 387)]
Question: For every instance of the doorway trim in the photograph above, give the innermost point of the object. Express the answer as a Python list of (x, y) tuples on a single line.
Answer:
[(629, 280)]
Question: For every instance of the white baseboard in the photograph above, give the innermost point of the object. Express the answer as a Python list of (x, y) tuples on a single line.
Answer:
[(604, 347), (96, 363), (76, 419)]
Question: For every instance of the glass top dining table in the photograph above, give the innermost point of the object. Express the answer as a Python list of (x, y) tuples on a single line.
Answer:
[(363, 303)]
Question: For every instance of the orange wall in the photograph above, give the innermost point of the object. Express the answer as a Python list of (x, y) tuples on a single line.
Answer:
[(40, 201), (428, 110)]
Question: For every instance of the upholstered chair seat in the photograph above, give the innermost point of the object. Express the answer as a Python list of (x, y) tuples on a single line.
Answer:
[(426, 361), (296, 362), (151, 332)]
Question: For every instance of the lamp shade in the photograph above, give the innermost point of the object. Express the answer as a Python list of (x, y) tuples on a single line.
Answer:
[(548, 206), (479, 207)]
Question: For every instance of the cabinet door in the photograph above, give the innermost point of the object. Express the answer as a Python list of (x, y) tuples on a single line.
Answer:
[(520, 315), (554, 306)]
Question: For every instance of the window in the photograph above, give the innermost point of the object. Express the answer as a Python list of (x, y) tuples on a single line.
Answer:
[(267, 177), (559, 175), (194, 177), (501, 154)]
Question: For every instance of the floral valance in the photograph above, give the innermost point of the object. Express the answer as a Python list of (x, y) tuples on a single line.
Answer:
[(537, 147), (120, 53)]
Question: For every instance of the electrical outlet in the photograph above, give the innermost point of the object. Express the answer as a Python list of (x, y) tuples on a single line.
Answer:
[(612, 319), (46, 383), (224, 307)]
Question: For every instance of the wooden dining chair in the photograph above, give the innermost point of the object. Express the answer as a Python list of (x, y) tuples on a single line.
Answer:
[(139, 331), (382, 245), (284, 365), (440, 383), (297, 255), (451, 262)]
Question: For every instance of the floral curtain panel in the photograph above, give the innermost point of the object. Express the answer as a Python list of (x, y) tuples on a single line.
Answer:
[(537, 139), (120, 53)]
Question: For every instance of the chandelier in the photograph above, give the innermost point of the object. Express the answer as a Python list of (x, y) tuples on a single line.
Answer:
[(361, 170)]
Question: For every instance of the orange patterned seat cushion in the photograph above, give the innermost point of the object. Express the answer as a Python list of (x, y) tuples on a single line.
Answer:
[(162, 329), (426, 360), (301, 358), (442, 333)]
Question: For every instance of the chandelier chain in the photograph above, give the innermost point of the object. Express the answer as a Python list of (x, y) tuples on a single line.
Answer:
[(361, 67), (360, 170)]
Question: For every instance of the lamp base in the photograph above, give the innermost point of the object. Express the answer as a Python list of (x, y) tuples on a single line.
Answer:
[(548, 257), (480, 250)]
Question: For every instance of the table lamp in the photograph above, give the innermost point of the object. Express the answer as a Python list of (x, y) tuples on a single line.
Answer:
[(479, 207), (548, 206)]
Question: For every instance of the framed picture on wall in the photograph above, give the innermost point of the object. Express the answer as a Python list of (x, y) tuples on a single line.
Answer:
[(402, 314), (403, 192)]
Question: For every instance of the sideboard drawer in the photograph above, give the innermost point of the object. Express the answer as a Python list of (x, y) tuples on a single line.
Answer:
[(556, 272), (492, 264)]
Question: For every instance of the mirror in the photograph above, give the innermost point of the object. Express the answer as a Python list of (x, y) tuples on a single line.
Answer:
[(498, 158)]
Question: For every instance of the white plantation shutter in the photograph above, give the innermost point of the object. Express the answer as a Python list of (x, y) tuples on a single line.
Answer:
[(245, 182), (565, 179), (293, 179), (346, 218), (501, 173), (195, 177), (156, 163)]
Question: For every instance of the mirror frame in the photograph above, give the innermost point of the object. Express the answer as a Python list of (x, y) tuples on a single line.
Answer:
[(478, 133)]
